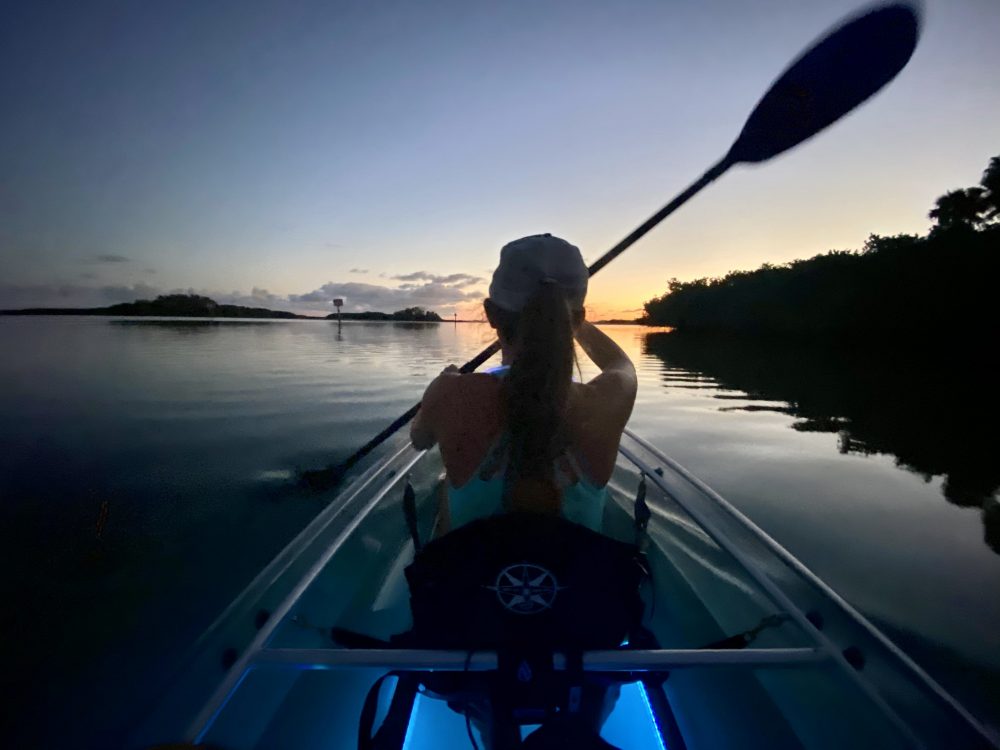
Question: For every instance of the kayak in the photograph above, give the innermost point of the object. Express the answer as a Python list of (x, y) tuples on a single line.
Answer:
[(748, 648)]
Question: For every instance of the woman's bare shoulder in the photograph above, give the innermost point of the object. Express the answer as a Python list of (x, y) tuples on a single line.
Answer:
[(451, 381), (454, 391), (480, 380)]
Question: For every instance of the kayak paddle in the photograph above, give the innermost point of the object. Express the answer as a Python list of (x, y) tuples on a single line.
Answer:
[(840, 71)]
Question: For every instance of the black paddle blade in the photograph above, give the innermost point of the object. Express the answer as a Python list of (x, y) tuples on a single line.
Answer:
[(321, 480), (829, 80)]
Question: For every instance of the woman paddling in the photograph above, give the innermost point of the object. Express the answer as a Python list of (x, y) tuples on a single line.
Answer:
[(526, 437)]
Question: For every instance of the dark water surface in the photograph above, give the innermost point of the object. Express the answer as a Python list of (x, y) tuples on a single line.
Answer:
[(144, 480)]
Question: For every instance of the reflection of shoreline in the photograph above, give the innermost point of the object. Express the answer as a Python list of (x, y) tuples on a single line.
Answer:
[(924, 406), (194, 322), (198, 326), (184, 322)]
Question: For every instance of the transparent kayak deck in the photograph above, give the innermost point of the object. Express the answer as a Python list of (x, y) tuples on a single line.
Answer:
[(816, 674)]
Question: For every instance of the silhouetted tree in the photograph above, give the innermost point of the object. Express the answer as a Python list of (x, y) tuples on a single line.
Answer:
[(192, 305), (959, 209), (887, 245), (898, 286), (416, 314), (991, 184)]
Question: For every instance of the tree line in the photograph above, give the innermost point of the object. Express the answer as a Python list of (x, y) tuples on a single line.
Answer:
[(899, 286), (409, 314)]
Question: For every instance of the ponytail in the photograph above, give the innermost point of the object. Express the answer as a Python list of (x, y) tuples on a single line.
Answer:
[(536, 394)]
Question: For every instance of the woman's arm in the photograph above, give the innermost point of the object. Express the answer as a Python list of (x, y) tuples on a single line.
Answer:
[(604, 404), (617, 383), (422, 427), (422, 433), (604, 352)]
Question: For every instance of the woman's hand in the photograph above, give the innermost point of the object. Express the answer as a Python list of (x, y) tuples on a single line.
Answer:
[(422, 427)]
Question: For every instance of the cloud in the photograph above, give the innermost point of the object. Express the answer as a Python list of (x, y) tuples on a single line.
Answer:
[(112, 259), (16, 296), (440, 296), (359, 270), (123, 293), (258, 297), (443, 294), (415, 276), (455, 279)]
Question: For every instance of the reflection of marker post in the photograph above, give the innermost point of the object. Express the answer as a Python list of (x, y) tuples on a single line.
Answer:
[(338, 302)]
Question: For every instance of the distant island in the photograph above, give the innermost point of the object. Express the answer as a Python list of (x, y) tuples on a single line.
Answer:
[(410, 314), (196, 306), (939, 287), (167, 306)]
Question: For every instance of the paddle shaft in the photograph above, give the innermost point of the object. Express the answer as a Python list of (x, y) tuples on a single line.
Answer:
[(682, 198)]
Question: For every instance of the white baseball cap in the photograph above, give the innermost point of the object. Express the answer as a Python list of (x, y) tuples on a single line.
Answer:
[(529, 261)]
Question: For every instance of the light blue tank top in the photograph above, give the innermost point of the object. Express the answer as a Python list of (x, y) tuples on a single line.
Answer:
[(482, 495), (582, 502)]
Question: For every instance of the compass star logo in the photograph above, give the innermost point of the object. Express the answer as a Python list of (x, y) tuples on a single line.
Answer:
[(526, 589)]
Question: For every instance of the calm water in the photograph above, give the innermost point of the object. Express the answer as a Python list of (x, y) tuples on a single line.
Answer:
[(143, 465)]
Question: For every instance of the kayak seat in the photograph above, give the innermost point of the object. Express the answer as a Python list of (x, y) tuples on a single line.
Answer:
[(526, 586), (524, 580)]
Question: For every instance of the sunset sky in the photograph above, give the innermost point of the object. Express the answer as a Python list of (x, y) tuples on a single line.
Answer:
[(284, 153)]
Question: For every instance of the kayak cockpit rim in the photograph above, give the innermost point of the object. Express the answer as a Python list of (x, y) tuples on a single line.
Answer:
[(796, 565), (284, 559), (236, 673), (258, 655), (615, 660)]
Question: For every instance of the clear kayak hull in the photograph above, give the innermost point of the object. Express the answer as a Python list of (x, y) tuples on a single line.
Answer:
[(811, 672)]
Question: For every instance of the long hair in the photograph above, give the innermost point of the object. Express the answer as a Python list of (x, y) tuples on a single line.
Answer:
[(535, 395)]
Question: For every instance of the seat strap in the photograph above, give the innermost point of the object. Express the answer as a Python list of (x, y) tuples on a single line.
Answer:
[(410, 513), (642, 515)]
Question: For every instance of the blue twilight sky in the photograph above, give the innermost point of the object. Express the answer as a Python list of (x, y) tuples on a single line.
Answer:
[(288, 152)]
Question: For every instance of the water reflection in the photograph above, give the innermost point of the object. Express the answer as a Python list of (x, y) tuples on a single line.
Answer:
[(182, 324), (927, 407)]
